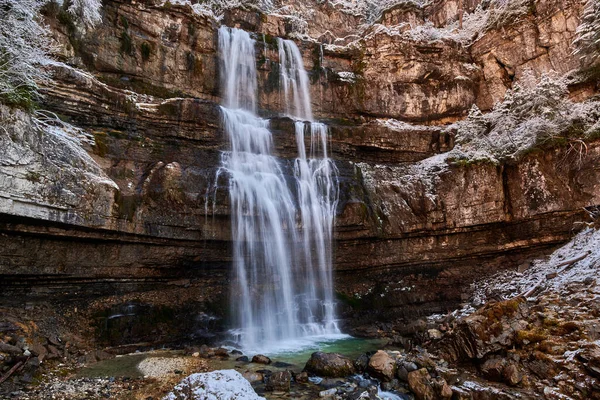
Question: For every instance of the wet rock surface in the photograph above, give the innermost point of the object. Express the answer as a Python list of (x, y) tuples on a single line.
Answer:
[(329, 365)]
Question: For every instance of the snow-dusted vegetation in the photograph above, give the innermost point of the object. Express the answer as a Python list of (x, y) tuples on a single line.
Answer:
[(587, 41), (371, 10), (23, 47), (531, 115), (87, 12), (216, 8), (575, 262)]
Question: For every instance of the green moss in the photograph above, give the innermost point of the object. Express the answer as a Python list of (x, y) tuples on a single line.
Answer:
[(67, 19), (348, 300), (127, 206), (191, 29), (272, 83), (100, 146), (124, 22), (190, 61), (468, 162), (21, 97), (33, 176), (271, 41), (126, 43), (146, 50)]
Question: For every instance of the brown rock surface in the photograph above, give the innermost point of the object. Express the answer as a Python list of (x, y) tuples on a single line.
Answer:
[(331, 365), (143, 222), (382, 365)]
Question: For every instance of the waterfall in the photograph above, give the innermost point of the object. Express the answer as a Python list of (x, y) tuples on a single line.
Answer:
[(282, 285)]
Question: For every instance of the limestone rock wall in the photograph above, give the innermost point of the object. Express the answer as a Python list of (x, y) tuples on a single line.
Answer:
[(138, 212)]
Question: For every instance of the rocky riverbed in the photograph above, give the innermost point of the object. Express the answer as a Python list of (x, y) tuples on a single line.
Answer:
[(532, 337)]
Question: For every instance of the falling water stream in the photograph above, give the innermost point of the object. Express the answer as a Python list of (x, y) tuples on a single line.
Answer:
[(282, 294)]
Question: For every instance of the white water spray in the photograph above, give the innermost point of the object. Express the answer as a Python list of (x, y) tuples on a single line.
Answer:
[(282, 289)]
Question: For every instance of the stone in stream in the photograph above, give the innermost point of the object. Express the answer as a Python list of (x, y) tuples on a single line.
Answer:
[(243, 359), (281, 364), (278, 381), (260, 359), (382, 366), (253, 376), (331, 365), (301, 377), (222, 352), (361, 363)]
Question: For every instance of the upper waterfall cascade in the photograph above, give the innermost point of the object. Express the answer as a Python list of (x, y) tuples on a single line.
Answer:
[(282, 289)]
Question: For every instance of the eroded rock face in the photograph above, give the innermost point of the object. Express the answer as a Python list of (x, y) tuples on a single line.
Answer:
[(539, 43), (144, 217)]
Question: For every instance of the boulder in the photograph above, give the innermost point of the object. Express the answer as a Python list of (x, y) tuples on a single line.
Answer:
[(421, 385), (382, 366), (253, 376), (278, 381), (223, 385), (512, 375), (361, 363), (493, 368), (10, 349), (260, 359), (332, 365), (301, 377), (222, 352)]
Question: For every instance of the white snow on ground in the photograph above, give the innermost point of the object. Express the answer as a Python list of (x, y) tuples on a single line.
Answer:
[(225, 384), (346, 76), (541, 274), (401, 126)]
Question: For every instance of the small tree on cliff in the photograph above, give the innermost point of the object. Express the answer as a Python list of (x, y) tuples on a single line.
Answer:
[(23, 46), (587, 40), (87, 12)]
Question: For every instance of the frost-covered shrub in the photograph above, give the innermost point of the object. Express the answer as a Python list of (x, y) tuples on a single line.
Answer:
[(506, 12), (23, 46), (216, 8), (587, 39), (87, 12), (530, 116), (371, 10), (491, 14)]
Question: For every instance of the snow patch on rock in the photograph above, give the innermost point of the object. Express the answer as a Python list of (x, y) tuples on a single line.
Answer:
[(217, 385)]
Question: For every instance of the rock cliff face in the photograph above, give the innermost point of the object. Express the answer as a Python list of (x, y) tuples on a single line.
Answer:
[(136, 212)]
